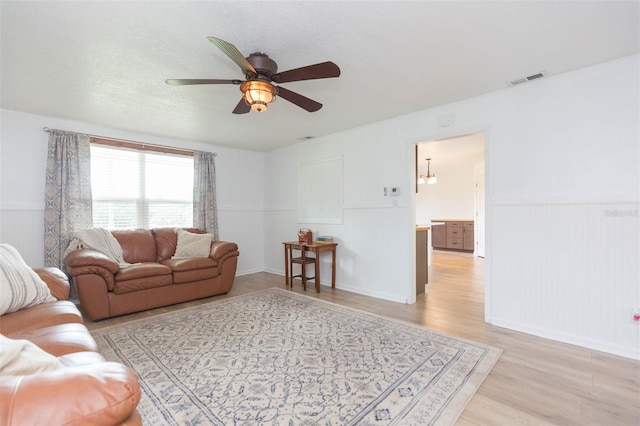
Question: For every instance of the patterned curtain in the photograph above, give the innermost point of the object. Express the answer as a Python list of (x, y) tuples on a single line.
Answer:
[(205, 210), (67, 198)]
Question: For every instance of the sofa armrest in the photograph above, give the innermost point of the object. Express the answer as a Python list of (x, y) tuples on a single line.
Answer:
[(56, 280), (220, 249), (103, 393), (91, 262), (87, 257)]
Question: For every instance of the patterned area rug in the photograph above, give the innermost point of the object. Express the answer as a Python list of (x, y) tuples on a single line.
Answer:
[(280, 358)]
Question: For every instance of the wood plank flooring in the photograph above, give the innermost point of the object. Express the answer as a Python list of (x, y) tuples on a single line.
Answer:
[(535, 382)]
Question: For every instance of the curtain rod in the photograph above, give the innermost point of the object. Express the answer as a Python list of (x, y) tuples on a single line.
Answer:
[(143, 144)]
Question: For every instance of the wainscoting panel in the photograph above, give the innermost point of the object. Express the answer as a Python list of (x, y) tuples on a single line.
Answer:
[(23, 228), (361, 242), (568, 272)]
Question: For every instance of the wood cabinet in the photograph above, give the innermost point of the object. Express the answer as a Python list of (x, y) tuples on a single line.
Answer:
[(468, 236), (439, 236), (453, 235)]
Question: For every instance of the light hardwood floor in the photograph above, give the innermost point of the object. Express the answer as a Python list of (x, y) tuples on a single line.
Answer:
[(535, 382)]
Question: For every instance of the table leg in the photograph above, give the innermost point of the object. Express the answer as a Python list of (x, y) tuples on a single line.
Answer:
[(286, 266), (317, 271), (333, 268)]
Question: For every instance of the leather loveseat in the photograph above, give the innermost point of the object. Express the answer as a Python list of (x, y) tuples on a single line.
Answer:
[(155, 278), (85, 389)]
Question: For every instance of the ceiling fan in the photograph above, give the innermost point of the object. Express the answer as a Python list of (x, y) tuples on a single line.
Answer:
[(260, 73)]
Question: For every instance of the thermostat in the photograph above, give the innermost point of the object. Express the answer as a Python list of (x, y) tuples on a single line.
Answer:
[(391, 191)]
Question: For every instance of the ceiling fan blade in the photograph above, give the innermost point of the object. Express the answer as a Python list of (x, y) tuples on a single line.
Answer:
[(242, 107), (188, 81), (310, 72), (302, 101), (231, 51)]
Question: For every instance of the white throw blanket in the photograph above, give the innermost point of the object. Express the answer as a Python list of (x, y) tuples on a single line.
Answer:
[(22, 358), (98, 239)]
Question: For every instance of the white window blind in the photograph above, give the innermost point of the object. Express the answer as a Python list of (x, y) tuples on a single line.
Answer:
[(140, 189)]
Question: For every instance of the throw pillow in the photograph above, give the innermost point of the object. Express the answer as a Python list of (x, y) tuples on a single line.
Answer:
[(20, 286), (22, 358), (192, 245)]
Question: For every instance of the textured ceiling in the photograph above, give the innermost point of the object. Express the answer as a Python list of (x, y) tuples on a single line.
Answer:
[(106, 62)]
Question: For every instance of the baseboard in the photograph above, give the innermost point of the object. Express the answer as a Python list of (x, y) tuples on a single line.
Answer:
[(624, 351), (377, 295), (273, 271), (248, 272)]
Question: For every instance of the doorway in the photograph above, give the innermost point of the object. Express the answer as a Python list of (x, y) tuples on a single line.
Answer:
[(453, 205), (456, 194)]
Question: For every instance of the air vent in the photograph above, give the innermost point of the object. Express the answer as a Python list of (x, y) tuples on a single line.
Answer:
[(519, 81), (527, 79)]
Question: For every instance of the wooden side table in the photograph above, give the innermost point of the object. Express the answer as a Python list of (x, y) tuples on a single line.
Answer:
[(317, 248)]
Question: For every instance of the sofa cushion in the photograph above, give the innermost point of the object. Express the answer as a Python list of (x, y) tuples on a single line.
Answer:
[(37, 317), (192, 245), (143, 283), (195, 269), (104, 393), (20, 286), (62, 339), (137, 246), (180, 265), (195, 275), (56, 280), (20, 357), (167, 240), (141, 277), (142, 270)]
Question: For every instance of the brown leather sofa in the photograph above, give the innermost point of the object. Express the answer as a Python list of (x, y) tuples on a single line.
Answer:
[(105, 290), (85, 390)]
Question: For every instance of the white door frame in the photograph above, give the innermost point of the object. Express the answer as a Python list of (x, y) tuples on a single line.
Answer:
[(479, 210), (411, 175)]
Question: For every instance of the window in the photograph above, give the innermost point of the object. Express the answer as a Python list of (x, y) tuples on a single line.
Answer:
[(140, 189)]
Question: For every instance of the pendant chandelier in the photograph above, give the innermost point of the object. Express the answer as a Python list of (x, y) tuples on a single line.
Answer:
[(429, 179)]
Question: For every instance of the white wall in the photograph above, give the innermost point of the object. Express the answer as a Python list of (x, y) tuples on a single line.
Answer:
[(453, 161), (23, 152), (453, 196), (373, 228), (562, 245), (559, 264)]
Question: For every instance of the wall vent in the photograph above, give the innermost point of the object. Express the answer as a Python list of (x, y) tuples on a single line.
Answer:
[(518, 81), (527, 79), (535, 76)]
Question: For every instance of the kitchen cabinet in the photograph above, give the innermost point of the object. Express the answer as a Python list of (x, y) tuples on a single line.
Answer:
[(439, 236), (468, 236), (453, 235)]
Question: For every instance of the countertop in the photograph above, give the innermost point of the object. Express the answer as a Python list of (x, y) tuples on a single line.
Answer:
[(433, 222)]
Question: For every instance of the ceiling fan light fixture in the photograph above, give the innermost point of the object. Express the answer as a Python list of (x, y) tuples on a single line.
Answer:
[(258, 94)]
